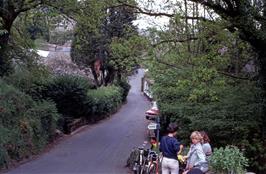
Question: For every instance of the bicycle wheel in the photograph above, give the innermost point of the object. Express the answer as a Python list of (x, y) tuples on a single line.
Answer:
[(152, 169), (146, 169), (135, 168), (143, 169)]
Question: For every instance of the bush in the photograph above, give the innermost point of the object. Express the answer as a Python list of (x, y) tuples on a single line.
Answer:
[(105, 101), (70, 95), (228, 160), (4, 158), (14, 105), (31, 81), (68, 92), (125, 86), (46, 113), (26, 126), (60, 38), (256, 153)]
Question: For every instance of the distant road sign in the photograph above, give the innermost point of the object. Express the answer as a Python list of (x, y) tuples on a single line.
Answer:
[(153, 126)]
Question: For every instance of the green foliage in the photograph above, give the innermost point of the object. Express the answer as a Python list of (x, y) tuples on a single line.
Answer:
[(106, 100), (60, 38), (125, 86), (126, 52), (24, 20), (14, 105), (201, 99), (87, 38), (30, 80), (83, 50), (46, 112), (69, 94), (107, 36), (256, 153), (206, 88), (223, 118), (42, 23), (228, 160), (4, 157), (25, 126)]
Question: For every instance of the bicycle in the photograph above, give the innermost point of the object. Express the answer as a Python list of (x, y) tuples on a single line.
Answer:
[(139, 165), (152, 164)]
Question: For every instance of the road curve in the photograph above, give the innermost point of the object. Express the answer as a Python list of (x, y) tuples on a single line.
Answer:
[(102, 148)]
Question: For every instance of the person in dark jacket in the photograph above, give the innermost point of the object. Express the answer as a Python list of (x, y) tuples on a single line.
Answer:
[(170, 146)]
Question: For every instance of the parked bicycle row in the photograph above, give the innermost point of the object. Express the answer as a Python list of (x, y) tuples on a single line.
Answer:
[(143, 160), (169, 155)]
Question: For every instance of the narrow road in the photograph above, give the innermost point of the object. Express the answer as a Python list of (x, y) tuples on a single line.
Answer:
[(102, 148)]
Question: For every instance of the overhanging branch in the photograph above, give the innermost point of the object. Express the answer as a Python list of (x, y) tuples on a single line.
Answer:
[(174, 41), (155, 14), (142, 11), (215, 6), (30, 5), (233, 76)]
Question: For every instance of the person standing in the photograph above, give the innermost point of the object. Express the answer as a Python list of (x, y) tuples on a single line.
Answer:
[(170, 146), (207, 149)]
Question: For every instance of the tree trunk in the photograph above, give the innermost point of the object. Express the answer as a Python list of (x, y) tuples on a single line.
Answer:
[(187, 28), (262, 83), (5, 63), (95, 76), (119, 76), (110, 76)]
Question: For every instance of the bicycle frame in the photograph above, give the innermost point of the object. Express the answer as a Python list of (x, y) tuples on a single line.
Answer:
[(147, 163), (140, 163), (152, 163)]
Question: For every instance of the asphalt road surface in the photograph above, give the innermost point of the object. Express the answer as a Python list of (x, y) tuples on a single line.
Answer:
[(101, 148)]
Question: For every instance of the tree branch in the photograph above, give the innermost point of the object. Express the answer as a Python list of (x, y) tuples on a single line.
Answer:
[(143, 11), (155, 14), (216, 7), (233, 76), (30, 5), (174, 40)]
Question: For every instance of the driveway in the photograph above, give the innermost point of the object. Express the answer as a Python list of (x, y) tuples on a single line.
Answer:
[(101, 148)]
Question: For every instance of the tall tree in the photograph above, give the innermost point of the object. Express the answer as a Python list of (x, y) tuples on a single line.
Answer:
[(249, 18), (207, 91), (92, 43), (120, 29), (88, 43)]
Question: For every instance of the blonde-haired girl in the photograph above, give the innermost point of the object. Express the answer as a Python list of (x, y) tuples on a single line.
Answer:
[(196, 157)]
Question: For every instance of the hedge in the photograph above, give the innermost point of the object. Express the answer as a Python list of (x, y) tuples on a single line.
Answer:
[(26, 126), (34, 105), (70, 95), (125, 86), (31, 82), (105, 100)]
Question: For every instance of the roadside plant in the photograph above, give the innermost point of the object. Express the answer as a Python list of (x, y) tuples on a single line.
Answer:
[(69, 94), (105, 101), (228, 160), (26, 126), (125, 86)]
